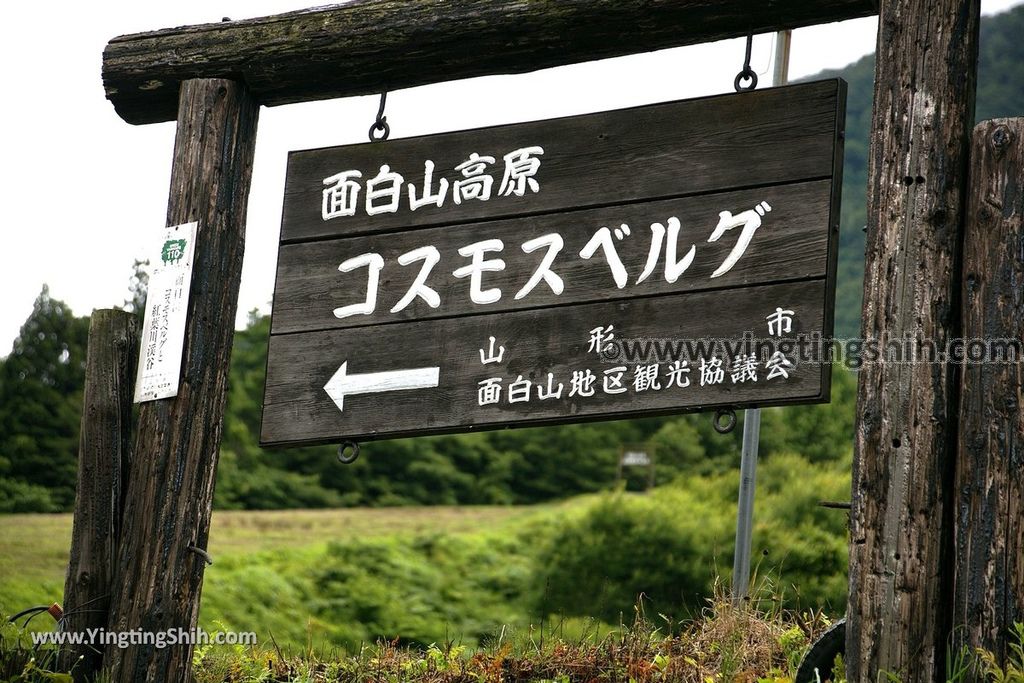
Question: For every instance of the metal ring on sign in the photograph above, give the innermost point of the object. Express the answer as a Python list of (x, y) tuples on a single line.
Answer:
[(381, 124), (730, 422), (747, 73), (348, 459)]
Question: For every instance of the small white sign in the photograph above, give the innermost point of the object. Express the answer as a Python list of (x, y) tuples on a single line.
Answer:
[(163, 332), (635, 459)]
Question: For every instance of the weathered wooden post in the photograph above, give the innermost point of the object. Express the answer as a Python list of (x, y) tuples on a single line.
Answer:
[(989, 570), (167, 513), (903, 502), (103, 464)]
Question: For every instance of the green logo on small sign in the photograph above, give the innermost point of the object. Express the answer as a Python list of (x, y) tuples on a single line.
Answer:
[(173, 251)]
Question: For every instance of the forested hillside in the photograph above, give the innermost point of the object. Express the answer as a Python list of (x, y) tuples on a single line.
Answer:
[(1000, 93), (41, 382)]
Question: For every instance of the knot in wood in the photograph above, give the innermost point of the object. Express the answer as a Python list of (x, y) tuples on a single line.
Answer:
[(1002, 137)]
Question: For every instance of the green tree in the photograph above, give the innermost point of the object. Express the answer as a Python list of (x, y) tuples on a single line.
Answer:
[(40, 405)]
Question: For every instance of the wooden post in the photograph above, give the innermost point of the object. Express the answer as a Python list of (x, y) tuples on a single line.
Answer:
[(159, 578), (989, 570), (103, 465), (902, 517)]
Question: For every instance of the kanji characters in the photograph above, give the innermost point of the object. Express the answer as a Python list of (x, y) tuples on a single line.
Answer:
[(341, 195), (678, 374), (645, 377), (437, 198), (547, 392), (383, 192), (781, 321), (600, 338), (582, 383), (711, 371), (613, 378), (491, 356), (489, 391), (778, 366), (521, 166), (519, 390), (475, 182), (744, 367)]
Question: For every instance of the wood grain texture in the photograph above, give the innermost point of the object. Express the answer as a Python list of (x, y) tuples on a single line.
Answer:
[(158, 579), (297, 409), (989, 572), (707, 144), (901, 520), (104, 460), (367, 46), (791, 244)]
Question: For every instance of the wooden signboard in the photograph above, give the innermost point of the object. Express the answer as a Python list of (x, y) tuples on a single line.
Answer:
[(601, 266)]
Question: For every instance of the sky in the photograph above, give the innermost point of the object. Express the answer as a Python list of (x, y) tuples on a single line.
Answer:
[(85, 193)]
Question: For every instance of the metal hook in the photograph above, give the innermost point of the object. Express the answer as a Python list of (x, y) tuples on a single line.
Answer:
[(730, 420), (201, 553), (381, 124), (348, 459), (747, 73)]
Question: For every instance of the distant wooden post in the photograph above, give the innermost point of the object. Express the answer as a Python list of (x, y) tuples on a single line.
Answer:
[(103, 464), (989, 570), (159, 578), (903, 499)]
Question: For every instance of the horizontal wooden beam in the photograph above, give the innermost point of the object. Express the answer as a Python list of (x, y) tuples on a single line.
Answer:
[(365, 46)]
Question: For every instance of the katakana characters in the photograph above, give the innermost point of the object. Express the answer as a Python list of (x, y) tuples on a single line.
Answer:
[(750, 220), (374, 264), (430, 257), (478, 266), (603, 239), (673, 267), (554, 242)]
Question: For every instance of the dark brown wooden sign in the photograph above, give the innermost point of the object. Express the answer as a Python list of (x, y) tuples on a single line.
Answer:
[(597, 266)]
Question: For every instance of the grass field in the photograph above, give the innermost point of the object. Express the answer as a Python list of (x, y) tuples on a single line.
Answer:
[(34, 548)]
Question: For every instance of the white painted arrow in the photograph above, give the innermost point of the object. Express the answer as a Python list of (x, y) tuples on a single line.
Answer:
[(342, 383)]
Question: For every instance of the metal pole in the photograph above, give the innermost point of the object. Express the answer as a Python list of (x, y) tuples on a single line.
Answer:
[(752, 417)]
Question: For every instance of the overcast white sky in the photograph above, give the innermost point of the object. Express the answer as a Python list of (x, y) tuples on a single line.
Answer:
[(85, 192)]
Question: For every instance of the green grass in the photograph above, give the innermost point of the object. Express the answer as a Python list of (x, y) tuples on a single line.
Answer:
[(34, 548), (335, 580)]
